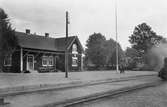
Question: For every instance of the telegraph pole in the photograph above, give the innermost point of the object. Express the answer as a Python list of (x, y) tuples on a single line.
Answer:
[(116, 35), (66, 50)]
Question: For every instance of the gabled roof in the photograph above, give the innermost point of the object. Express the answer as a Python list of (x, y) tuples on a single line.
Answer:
[(44, 43)]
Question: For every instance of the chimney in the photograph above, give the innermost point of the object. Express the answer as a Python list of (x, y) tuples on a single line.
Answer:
[(47, 35), (27, 31)]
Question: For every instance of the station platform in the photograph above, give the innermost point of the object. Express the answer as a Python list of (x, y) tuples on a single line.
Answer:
[(11, 83)]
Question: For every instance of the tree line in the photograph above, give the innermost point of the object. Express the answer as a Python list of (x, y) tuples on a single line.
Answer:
[(101, 53)]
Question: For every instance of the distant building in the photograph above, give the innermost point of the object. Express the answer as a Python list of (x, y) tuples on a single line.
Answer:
[(44, 54)]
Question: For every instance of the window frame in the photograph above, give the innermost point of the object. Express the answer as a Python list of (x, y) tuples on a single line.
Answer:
[(44, 56), (50, 58), (76, 59), (74, 49), (10, 60)]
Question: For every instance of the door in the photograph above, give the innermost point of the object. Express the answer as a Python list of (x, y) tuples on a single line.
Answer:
[(30, 62)]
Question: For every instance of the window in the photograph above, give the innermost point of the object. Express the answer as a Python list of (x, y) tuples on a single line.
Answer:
[(44, 61), (50, 60), (74, 61), (74, 49), (74, 57), (47, 61), (8, 60)]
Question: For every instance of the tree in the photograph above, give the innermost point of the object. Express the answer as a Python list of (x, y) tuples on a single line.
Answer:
[(95, 51), (131, 52), (132, 57), (8, 40), (110, 47), (101, 52), (143, 38)]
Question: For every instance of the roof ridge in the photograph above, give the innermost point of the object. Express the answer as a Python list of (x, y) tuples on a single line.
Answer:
[(64, 37), (42, 36)]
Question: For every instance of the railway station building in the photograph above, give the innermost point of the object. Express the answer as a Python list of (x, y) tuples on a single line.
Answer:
[(41, 54)]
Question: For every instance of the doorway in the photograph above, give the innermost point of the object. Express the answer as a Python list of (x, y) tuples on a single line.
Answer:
[(30, 63)]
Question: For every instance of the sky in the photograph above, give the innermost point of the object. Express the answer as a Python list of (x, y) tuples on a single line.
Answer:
[(87, 17)]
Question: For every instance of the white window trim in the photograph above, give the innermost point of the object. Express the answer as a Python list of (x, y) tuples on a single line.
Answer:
[(74, 52), (49, 60), (75, 58), (74, 49), (10, 56), (74, 65), (27, 60), (46, 60)]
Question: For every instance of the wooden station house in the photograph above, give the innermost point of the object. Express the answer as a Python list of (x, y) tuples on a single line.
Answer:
[(41, 54)]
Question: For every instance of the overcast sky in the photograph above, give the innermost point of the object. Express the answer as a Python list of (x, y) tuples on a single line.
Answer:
[(87, 17)]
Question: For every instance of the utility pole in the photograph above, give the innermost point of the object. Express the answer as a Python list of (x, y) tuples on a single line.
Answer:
[(66, 50), (116, 34)]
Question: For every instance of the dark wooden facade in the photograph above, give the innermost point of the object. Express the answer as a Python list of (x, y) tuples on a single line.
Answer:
[(47, 58)]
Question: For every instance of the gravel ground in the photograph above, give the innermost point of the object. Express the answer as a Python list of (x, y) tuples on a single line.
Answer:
[(150, 97), (8, 80)]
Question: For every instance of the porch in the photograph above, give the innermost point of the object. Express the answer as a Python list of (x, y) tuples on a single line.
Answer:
[(40, 61)]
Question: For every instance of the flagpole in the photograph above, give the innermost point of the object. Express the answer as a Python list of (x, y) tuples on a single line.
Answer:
[(116, 35)]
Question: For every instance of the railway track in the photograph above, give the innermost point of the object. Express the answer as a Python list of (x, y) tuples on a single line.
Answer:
[(110, 93)]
